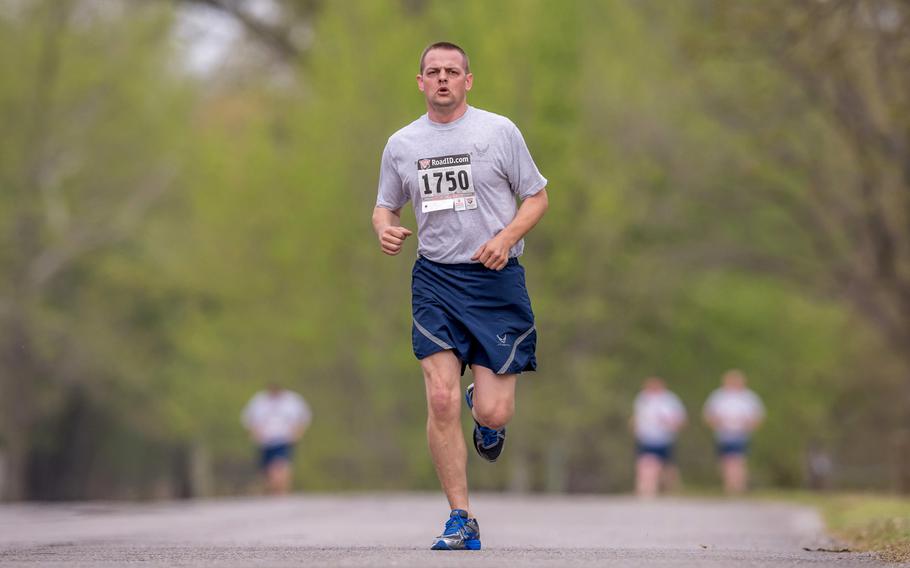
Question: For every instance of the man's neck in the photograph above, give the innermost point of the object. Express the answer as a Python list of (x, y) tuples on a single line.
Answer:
[(446, 115)]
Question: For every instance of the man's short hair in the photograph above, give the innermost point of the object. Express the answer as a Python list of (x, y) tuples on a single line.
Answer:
[(445, 45)]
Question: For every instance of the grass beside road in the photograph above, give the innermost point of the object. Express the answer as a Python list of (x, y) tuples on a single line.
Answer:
[(869, 522), (876, 523)]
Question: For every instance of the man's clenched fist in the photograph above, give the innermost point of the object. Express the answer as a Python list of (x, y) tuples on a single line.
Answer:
[(391, 239)]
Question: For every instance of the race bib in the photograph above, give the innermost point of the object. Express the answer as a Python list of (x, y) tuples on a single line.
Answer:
[(446, 183)]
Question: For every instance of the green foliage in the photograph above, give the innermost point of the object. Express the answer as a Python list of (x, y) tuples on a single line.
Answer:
[(94, 141)]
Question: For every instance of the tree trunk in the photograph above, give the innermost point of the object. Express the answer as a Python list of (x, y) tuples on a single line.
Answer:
[(557, 465), (18, 371), (201, 476), (13, 478), (901, 440), (900, 448)]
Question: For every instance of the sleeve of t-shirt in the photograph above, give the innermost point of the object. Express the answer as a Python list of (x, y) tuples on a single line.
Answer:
[(758, 408), (524, 177), (246, 416), (636, 405), (710, 408), (304, 414), (391, 194)]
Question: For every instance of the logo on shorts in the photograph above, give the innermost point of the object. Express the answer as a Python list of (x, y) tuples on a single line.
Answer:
[(503, 339)]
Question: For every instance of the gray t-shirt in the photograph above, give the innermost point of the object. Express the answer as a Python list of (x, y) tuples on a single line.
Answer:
[(462, 178)]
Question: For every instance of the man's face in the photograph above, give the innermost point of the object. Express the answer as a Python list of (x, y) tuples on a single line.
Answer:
[(654, 385), (734, 380), (444, 82)]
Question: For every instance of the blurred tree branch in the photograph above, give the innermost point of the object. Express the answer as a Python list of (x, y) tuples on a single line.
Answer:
[(280, 38), (91, 236)]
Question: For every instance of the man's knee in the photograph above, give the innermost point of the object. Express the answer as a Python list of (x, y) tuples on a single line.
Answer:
[(648, 462), (443, 392), (494, 414), (443, 403)]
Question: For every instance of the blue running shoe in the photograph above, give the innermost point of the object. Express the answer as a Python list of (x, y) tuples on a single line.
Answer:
[(461, 533), (487, 441)]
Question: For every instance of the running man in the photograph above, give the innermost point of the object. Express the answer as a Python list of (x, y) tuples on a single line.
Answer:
[(658, 417), (462, 168), (276, 419), (733, 412)]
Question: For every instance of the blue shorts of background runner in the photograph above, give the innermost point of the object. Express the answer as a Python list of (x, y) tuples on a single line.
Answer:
[(663, 452), (483, 315), (732, 447), (276, 452)]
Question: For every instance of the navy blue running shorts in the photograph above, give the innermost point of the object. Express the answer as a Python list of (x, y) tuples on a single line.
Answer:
[(663, 452), (274, 452), (734, 447), (483, 315)]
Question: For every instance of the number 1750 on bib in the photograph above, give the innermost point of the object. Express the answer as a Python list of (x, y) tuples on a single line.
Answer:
[(443, 179)]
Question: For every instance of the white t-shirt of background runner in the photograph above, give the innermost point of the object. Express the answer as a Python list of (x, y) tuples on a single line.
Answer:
[(276, 417), (734, 410), (462, 179), (656, 415)]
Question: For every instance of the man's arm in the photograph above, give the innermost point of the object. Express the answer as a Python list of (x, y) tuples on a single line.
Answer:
[(391, 234), (758, 416), (677, 423), (302, 419), (679, 415), (710, 417), (246, 418), (494, 254), (754, 422), (255, 432)]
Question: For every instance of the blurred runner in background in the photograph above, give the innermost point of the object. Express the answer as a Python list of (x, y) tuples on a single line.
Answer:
[(276, 419), (733, 412), (658, 417)]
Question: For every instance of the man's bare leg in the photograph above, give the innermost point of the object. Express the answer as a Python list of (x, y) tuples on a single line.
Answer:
[(442, 376), (278, 477), (494, 397), (735, 474), (669, 477), (647, 475)]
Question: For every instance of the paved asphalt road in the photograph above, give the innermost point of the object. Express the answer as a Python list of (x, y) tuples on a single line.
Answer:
[(397, 529)]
